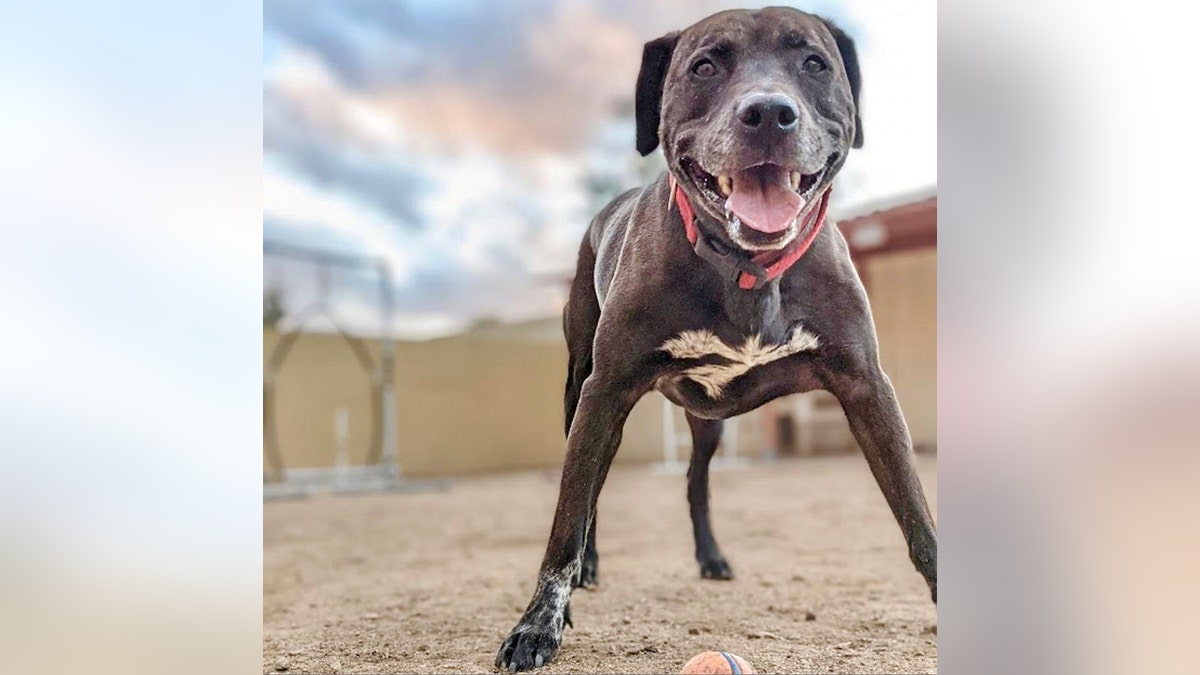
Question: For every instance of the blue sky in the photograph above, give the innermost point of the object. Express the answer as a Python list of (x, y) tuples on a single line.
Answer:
[(457, 139)]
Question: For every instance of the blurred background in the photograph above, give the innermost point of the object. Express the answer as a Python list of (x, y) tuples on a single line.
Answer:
[(429, 171)]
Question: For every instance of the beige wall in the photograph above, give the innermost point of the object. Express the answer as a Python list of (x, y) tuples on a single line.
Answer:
[(464, 404), (492, 400), (319, 376), (476, 404)]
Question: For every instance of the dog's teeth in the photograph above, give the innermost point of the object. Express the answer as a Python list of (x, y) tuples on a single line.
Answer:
[(726, 184), (794, 177)]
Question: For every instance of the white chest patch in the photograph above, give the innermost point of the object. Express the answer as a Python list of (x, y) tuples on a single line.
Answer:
[(714, 377)]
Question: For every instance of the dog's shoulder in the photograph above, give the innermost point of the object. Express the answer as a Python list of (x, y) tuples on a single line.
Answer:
[(627, 227), (637, 204), (613, 217)]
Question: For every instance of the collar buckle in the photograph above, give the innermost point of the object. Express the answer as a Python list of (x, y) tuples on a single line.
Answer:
[(731, 265)]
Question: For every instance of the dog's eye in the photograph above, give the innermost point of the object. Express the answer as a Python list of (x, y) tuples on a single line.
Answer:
[(814, 64), (704, 68)]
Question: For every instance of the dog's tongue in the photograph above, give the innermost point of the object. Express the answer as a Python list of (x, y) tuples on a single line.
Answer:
[(763, 199)]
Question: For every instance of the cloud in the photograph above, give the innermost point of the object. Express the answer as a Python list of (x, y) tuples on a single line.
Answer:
[(483, 253), (297, 205), (336, 139)]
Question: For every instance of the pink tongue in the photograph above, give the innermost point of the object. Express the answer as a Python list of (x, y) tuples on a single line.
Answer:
[(763, 200)]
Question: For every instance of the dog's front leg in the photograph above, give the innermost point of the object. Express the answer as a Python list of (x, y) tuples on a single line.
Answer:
[(867, 397), (595, 434)]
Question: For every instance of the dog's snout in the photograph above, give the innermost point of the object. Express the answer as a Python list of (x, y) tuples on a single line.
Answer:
[(775, 111)]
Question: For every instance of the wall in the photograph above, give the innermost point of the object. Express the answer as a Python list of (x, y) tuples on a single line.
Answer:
[(319, 376), (492, 400), (465, 404)]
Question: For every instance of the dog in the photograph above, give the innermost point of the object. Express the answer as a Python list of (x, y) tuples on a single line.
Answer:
[(721, 286)]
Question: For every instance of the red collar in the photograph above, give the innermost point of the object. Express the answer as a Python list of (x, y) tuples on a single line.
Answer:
[(754, 272)]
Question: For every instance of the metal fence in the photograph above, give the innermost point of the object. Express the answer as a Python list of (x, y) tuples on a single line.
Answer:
[(300, 285)]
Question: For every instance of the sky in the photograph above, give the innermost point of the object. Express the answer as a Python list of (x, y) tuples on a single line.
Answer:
[(469, 143)]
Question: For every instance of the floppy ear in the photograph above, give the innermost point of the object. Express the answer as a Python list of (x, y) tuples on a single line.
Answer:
[(845, 46), (656, 58)]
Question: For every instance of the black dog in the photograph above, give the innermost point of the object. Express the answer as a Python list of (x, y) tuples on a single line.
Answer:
[(719, 286)]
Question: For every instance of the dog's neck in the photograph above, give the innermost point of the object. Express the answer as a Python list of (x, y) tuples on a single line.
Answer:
[(755, 311), (750, 289)]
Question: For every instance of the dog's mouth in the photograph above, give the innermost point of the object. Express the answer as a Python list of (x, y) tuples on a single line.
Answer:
[(762, 203)]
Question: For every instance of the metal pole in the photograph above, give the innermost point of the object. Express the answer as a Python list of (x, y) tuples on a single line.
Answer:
[(387, 364), (731, 438), (670, 442)]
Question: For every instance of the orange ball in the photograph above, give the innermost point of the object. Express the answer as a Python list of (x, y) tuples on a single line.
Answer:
[(717, 663)]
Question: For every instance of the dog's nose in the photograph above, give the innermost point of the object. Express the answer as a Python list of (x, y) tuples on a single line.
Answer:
[(768, 110)]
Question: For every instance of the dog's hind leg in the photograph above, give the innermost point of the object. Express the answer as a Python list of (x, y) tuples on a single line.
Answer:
[(706, 434), (580, 317)]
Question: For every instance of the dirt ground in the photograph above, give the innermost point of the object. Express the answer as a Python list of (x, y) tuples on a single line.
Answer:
[(433, 581)]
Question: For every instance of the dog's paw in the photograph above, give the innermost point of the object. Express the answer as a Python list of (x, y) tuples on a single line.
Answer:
[(589, 572), (716, 568), (528, 647)]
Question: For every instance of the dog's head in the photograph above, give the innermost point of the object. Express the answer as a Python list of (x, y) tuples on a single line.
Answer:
[(756, 112)]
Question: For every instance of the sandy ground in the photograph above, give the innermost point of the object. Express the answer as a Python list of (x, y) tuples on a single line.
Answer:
[(432, 582)]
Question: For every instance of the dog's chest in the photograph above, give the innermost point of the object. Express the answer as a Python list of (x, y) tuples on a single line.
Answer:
[(715, 364)]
